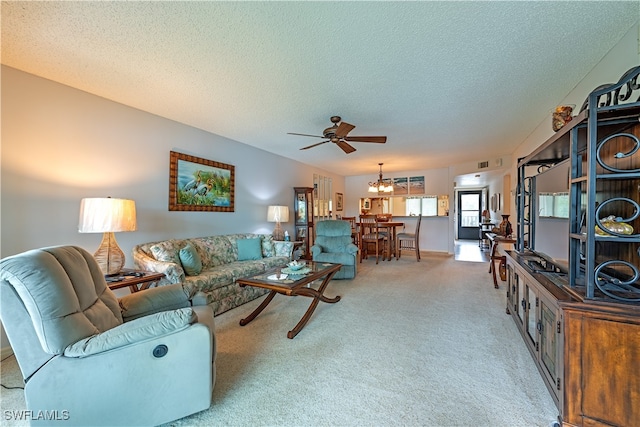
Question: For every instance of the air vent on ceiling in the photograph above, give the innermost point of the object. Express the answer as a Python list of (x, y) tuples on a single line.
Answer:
[(483, 165)]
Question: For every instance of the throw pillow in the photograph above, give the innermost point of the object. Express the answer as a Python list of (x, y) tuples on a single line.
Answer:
[(190, 260), (249, 249), (165, 252), (268, 248)]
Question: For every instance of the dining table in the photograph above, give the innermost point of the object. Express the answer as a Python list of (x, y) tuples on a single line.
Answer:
[(391, 226)]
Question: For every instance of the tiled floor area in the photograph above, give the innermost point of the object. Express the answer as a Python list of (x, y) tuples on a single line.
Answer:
[(469, 250)]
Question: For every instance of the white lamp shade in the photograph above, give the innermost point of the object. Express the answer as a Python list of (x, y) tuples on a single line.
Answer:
[(278, 214), (100, 215)]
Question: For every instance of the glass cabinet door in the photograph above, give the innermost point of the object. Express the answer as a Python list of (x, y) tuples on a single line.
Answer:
[(303, 217)]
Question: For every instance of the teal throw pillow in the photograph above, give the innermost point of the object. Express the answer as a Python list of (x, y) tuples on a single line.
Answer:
[(190, 260), (249, 249)]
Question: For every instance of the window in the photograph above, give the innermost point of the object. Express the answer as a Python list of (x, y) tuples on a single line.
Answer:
[(553, 205), (407, 205), (425, 206), (470, 209)]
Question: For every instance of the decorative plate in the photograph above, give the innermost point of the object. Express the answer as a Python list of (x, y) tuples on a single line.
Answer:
[(299, 272)]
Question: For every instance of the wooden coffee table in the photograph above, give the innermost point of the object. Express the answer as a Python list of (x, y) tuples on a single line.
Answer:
[(293, 285)]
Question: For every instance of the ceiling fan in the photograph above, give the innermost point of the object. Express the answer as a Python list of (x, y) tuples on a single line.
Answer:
[(338, 135)]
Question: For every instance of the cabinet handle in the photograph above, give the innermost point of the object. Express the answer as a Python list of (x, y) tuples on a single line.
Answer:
[(539, 326), (523, 303)]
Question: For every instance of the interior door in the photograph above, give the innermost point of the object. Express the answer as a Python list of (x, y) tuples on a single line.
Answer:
[(469, 214)]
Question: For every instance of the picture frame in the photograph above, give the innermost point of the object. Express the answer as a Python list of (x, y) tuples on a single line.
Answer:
[(400, 186), (338, 202), (197, 184), (416, 185)]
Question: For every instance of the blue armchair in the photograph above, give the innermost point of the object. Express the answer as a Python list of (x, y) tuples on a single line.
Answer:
[(147, 358), (333, 244)]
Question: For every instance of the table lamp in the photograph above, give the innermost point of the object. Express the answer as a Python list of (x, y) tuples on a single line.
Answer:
[(107, 215), (278, 214)]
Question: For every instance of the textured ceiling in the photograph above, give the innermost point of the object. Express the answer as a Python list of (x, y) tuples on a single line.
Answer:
[(446, 82)]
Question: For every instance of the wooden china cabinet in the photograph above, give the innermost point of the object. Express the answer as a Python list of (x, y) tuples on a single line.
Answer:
[(303, 218), (580, 318)]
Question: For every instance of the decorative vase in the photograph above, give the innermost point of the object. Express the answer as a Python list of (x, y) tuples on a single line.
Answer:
[(505, 228), (561, 116)]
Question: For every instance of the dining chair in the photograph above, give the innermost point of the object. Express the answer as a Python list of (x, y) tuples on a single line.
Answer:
[(409, 241), (354, 228), (370, 233)]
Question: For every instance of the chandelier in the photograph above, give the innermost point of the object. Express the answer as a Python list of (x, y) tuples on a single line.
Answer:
[(380, 186)]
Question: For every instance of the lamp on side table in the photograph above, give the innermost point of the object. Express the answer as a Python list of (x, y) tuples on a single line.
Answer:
[(107, 215), (278, 214)]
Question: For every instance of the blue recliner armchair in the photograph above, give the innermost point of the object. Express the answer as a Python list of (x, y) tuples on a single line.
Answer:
[(90, 358), (333, 244)]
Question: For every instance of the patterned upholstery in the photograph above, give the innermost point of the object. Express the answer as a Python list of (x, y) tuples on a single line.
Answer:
[(215, 284)]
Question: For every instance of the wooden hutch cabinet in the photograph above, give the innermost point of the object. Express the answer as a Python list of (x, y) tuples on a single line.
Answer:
[(580, 318), (303, 219)]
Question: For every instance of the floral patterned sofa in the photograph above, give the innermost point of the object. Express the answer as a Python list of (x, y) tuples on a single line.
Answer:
[(222, 259)]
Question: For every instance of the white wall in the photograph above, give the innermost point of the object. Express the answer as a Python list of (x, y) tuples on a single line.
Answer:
[(60, 144)]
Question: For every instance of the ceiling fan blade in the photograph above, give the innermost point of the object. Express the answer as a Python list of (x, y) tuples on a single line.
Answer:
[(314, 145), (304, 134), (344, 129), (345, 147), (377, 139)]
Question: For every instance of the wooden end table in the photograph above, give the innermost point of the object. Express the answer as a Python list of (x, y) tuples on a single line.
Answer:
[(495, 241), (136, 280), (293, 286)]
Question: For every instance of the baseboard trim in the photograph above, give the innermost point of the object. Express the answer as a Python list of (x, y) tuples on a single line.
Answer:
[(441, 253), (5, 352)]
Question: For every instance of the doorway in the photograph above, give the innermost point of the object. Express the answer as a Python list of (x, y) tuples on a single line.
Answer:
[(469, 209)]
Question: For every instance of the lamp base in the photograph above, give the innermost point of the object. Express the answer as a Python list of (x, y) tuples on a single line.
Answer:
[(278, 232), (109, 256)]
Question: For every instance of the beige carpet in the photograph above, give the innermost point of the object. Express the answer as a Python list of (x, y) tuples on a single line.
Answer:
[(412, 344)]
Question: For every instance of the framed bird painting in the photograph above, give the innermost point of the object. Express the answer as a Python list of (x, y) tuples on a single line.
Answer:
[(197, 184)]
